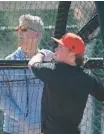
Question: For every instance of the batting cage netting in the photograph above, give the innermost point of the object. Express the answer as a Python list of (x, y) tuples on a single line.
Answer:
[(19, 88)]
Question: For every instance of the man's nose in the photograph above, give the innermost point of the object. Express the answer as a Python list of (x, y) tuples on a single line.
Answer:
[(20, 34), (56, 49), (19, 31)]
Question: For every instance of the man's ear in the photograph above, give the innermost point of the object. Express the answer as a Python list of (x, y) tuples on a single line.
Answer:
[(72, 56)]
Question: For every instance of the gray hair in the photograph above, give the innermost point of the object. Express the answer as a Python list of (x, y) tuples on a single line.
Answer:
[(33, 22)]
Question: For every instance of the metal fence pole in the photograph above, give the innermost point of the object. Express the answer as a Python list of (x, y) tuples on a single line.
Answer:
[(61, 19), (100, 12)]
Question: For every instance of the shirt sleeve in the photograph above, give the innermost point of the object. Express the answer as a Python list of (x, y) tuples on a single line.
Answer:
[(97, 89), (44, 71), (48, 55), (7, 102)]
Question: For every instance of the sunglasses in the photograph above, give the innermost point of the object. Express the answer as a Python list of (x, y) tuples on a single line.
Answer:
[(23, 28)]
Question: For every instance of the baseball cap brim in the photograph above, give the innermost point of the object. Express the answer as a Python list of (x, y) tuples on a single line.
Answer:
[(58, 41)]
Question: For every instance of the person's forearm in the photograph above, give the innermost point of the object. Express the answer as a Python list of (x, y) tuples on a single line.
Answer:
[(44, 71), (36, 59)]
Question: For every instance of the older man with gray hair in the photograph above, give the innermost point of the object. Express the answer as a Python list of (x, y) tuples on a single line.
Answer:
[(21, 98)]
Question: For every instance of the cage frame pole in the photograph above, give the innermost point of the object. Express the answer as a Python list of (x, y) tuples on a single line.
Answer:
[(97, 119), (61, 20)]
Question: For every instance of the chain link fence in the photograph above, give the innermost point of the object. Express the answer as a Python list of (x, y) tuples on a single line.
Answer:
[(79, 15)]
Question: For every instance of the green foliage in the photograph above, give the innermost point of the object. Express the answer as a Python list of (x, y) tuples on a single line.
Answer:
[(7, 39)]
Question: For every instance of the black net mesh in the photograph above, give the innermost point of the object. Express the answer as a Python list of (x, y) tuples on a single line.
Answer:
[(82, 13), (21, 86), (10, 13)]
